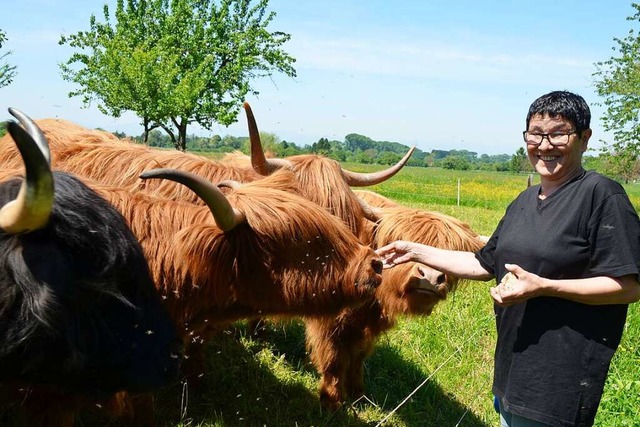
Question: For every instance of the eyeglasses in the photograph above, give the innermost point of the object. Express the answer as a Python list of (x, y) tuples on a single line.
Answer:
[(555, 138)]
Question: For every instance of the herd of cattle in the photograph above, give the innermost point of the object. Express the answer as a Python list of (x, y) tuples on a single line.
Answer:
[(118, 262)]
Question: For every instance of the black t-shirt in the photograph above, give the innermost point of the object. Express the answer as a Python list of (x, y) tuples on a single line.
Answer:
[(552, 355)]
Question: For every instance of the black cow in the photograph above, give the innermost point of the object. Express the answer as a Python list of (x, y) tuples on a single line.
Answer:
[(80, 318)]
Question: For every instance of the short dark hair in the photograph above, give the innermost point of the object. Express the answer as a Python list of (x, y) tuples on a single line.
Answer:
[(562, 103)]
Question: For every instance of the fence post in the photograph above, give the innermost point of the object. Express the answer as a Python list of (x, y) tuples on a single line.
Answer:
[(458, 191)]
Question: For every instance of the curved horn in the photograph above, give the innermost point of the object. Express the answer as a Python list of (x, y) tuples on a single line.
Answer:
[(32, 207), (356, 179), (370, 213), (259, 162), (225, 215), (230, 183), (33, 130)]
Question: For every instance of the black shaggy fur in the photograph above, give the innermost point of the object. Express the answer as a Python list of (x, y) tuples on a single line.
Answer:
[(78, 309)]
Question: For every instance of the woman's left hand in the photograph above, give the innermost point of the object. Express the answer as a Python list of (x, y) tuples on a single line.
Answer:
[(519, 288)]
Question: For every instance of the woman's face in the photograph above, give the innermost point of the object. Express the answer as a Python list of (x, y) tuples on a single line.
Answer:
[(556, 163)]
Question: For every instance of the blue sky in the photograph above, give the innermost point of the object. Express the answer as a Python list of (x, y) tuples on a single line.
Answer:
[(439, 74)]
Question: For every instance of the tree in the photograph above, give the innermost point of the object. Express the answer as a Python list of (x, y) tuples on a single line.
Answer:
[(270, 144), (7, 72), (322, 147), (354, 142), (618, 82), (176, 62), (618, 167), (519, 161), (455, 162), (155, 138), (388, 158)]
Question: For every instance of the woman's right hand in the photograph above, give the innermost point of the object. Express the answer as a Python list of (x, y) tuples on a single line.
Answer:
[(397, 252)]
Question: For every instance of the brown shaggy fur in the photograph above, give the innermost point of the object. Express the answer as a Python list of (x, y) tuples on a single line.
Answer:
[(290, 258), (322, 182), (105, 158), (339, 345)]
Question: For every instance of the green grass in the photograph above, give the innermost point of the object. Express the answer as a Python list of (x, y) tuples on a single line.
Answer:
[(428, 371)]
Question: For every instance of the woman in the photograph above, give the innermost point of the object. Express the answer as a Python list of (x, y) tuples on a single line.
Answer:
[(570, 249)]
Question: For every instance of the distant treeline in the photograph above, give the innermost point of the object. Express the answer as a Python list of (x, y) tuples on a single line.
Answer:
[(355, 148)]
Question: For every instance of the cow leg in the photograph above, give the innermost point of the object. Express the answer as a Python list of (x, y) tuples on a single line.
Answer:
[(338, 347), (354, 384), (330, 357)]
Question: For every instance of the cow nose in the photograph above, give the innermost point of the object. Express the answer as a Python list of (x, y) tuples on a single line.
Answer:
[(434, 277), (376, 264)]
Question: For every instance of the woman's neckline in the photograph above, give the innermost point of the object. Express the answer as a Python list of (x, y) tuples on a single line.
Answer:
[(545, 194)]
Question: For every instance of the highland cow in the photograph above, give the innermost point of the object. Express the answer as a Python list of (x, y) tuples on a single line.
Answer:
[(339, 345), (263, 252), (80, 319), (317, 178)]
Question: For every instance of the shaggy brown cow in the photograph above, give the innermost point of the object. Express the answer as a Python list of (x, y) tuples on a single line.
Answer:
[(338, 346), (269, 253)]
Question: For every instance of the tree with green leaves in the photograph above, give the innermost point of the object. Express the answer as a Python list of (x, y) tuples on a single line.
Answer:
[(7, 71), (520, 161), (322, 147), (618, 82), (176, 62)]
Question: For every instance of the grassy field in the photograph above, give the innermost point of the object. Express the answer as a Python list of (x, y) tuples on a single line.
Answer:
[(428, 371)]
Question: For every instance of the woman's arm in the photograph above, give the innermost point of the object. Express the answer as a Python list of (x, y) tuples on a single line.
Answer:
[(456, 263)]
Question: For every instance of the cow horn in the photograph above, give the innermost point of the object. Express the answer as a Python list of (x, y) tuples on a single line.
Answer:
[(225, 215), (33, 130), (229, 183), (33, 205), (259, 162), (370, 213), (356, 179)]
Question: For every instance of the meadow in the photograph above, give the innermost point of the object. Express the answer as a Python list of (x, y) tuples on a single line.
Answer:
[(428, 371)]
